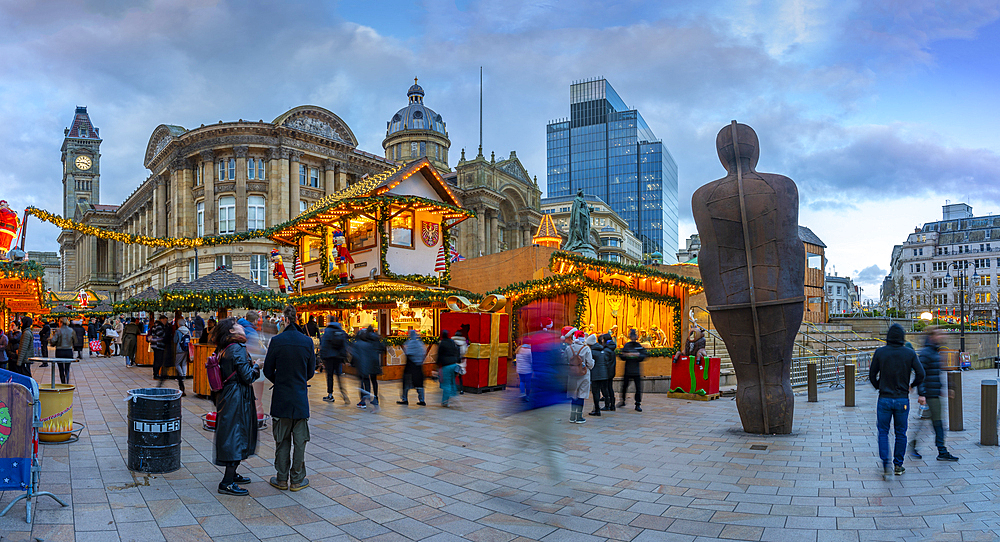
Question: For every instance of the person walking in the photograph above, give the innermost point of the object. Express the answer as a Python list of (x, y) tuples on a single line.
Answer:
[(92, 335), (130, 340), (182, 355), (81, 337), (522, 364), (633, 354), (312, 327), (43, 336), (413, 372), (157, 341), (366, 353), (107, 332), (448, 357), (289, 364), (889, 373), (63, 339), (598, 373), (26, 348), (119, 327), (333, 353), (236, 419), (579, 361), (929, 395), (611, 361)]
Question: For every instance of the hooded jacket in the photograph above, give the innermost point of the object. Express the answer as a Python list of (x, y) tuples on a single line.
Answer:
[(930, 358), (892, 364), (600, 369), (333, 344)]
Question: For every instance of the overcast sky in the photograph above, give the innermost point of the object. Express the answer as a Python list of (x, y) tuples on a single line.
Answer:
[(880, 111)]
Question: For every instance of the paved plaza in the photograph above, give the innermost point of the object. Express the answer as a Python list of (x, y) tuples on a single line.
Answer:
[(680, 470)]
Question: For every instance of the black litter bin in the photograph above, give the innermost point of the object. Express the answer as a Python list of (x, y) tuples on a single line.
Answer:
[(154, 430)]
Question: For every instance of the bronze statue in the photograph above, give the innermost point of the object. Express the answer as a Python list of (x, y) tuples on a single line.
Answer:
[(578, 239), (752, 264)]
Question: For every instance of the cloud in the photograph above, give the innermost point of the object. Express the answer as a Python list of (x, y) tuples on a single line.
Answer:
[(871, 275)]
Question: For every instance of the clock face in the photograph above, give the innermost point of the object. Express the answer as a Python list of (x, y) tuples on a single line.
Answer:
[(83, 163)]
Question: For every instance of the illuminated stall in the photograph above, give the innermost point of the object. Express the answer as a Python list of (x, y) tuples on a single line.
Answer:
[(21, 291), (376, 254)]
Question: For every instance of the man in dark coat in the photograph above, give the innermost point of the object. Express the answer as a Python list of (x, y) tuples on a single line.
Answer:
[(890, 374), (43, 335), (633, 353), (158, 341), (290, 363), (930, 395), (611, 359), (366, 352), (81, 337), (130, 337), (333, 352), (598, 374)]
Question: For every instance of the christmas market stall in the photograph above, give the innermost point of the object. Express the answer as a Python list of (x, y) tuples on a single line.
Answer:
[(21, 291), (378, 254), (145, 303), (604, 297)]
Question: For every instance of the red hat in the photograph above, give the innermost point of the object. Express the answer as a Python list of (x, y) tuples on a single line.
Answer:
[(568, 332), (579, 334), (546, 322)]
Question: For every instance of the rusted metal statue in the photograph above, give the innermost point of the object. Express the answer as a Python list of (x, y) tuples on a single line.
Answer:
[(752, 263)]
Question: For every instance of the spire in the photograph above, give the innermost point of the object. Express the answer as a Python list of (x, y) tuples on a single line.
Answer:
[(547, 234)]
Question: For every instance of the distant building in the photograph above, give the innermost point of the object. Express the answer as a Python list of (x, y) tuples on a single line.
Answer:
[(613, 240), (841, 295), (691, 249), (53, 272), (815, 280), (607, 149)]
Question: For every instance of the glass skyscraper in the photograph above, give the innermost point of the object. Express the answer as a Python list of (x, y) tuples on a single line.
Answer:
[(607, 150)]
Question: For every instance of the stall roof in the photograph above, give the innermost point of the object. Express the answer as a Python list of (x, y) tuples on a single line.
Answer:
[(218, 280), (377, 291)]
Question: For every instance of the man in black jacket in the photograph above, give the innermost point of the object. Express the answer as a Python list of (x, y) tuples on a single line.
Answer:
[(333, 352), (930, 395), (290, 363), (43, 336), (890, 374), (633, 353)]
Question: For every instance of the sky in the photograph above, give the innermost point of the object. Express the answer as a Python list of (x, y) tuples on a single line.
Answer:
[(881, 112)]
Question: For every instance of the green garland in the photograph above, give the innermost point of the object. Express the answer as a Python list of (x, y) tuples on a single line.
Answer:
[(632, 269), (28, 270), (399, 341), (335, 299)]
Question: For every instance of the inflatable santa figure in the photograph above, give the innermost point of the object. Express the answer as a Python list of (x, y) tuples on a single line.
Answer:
[(343, 256), (9, 224), (279, 270)]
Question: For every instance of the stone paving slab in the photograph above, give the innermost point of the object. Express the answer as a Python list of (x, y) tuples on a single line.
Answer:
[(680, 470)]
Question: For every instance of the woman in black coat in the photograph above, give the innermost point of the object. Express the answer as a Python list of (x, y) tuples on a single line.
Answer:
[(236, 420)]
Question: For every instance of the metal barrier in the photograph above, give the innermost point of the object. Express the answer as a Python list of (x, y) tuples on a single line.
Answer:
[(830, 369)]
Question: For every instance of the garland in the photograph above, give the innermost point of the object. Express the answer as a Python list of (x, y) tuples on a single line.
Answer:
[(213, 300), (399, 341), (336, 300), (28, 270), (582, 263)]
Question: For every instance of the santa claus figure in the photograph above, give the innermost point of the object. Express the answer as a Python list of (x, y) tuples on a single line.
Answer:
[(83, 298), (279, 270), (9, 224), (342, 256)]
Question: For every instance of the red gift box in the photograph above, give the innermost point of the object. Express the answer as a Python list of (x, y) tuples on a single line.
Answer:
[(706, 375), (486, 358)]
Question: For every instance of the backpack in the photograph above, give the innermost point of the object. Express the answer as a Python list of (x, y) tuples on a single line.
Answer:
[(185, 342), (214, 372), (576, 367)]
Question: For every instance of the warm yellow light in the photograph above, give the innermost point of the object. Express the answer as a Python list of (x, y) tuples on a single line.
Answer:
[(926, 316)]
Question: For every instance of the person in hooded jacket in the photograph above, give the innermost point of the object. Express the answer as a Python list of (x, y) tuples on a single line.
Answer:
[(598, 374), (333, 353), (611, 361), (929, 395), (579, 361), (413, 372), (889, 373), (448, 357), (634, 354), (366, 352), (236, 420)]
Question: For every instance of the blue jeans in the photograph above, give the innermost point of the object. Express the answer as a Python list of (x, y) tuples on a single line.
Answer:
[(447, 378), (897, 411), (525, 380)]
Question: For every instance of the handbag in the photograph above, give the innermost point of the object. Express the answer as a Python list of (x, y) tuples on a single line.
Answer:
[(214, 373)]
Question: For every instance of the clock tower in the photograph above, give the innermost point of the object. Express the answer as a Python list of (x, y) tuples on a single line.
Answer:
[(81, 160)]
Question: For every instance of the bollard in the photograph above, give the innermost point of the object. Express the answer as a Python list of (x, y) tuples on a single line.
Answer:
[(811, 380), (988, 417), (955, 401), (849, 384)]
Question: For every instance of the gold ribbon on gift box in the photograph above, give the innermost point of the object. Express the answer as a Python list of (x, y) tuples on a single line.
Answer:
[(492, 305)]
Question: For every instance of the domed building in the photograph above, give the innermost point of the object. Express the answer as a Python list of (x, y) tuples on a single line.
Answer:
[(505, 198), (416, 131)]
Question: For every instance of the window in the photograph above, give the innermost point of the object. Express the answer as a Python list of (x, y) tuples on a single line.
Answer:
[(258, 269), (313, 177), (423, 148), (223, 260), (414, 149), (260, 170), (401, 230), (838, 287), (303, 205), (192, 270), (232, 169), (227, 214), (255, 213), (302, 174), (199, 174), (201, 218), (361, 234), (985, 280), (222, 171), (251, 169)]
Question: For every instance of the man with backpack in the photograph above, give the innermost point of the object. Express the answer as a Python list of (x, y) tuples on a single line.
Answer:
[(333, 352), (289, 364), (182, 340), (579, 361)]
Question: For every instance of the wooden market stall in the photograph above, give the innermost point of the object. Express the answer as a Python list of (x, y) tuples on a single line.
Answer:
[(378, 254), (21, 291)]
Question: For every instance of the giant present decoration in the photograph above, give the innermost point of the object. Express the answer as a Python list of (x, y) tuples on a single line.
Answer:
[(689, 375), (489, 336)]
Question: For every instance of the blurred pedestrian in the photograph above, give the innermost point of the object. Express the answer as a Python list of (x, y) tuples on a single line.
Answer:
[(130, 340), (290, 363), (598, 373), (182, 353), (158, 342), (236, 419), (929, 395), (119, 327), (579, 361), (80, 335), (522, 364), (43, 336), (366, 351), (108, 333), (633, 354), (611, 361), (448, 358), (333, 353), (413, 373), (548, 392), (4, 343), (63, 339), (889, 373)]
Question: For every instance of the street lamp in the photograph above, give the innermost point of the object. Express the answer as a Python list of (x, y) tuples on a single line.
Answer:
[(961, 295)]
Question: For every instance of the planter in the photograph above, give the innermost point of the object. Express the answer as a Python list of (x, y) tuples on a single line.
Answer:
[(57, 412)]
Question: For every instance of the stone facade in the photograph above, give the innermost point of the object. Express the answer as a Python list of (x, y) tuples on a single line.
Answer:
[(612, 239)]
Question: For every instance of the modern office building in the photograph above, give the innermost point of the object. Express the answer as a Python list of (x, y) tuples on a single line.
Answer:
[(608, 150)]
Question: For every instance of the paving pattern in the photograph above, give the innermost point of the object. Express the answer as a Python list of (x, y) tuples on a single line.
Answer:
[(680, 470)]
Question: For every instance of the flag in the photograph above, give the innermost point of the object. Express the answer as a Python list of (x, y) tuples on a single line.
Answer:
[(441, 264), (299, 275), (456, 257)]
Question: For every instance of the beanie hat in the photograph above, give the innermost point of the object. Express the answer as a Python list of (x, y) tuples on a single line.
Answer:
[(591, 339)]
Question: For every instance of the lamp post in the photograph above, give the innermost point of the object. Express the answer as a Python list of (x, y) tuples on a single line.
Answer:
[(962, 274)]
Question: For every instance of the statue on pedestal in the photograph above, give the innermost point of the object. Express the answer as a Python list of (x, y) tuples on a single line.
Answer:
[(579, 228)]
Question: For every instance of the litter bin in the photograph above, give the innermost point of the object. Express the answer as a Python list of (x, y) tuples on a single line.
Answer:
[(154, 430)]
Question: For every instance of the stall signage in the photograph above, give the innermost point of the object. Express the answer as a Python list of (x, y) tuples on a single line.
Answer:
[(22, 305), (161, 427), (10, 287), (360, 265)]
